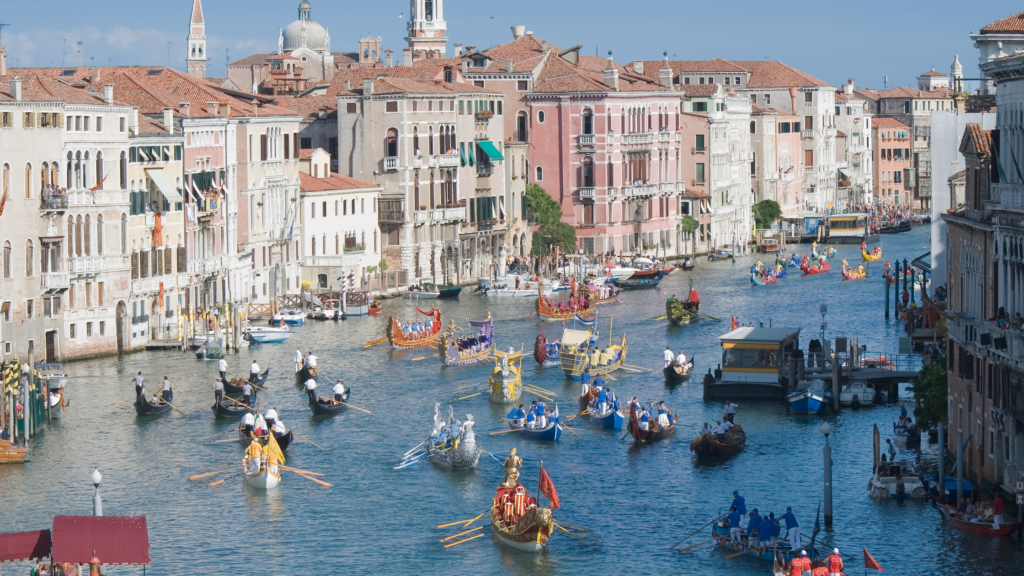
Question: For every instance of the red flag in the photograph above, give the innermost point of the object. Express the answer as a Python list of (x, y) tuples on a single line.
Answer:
[(100, 183), (869, 562), (3, 202), (547, 488), (735, 324)]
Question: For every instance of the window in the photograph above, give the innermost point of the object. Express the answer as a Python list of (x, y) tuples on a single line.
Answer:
[(796, 126), (784, 127), (728, 80), (700, 106), (686, 81), (736, 81), (540, 176), (906, 106), (753, 98), (28, 258), (808, 157), (699, 173), (72, 331), (88, 329), (522, 85), (698, 145), (122, 124), (103, 327), (767, 99), (7, 259), (897, 177), (99, 123), (390, 106), (701, 79), (500, 111), (540, 116), (30, 308), (808, 97), (587, 122), (808, 122), (753, 127), (837, 111)]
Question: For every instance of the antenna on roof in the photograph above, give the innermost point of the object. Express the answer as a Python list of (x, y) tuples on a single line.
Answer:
[(2, 24)]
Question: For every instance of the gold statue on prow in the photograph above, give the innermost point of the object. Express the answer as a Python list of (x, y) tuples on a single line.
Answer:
[(512, 465)]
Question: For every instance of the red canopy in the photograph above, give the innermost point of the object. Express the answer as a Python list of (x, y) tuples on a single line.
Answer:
[(114, 539), (17, 546)]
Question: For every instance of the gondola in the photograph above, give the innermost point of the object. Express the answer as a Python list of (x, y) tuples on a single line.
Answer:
[(230, 388), (448, 291), (719, 255), (283, 440), (640, 280), (517, 520), (654, 433), (409, 340), (983, 528), (714, 446), (676, 312), (546, 311), (894, 227), (550, 433), (144, 408), (455, 449), (676, 374), (306, 373), (821, 268), (229, 409), (327, 407), (475, 345)]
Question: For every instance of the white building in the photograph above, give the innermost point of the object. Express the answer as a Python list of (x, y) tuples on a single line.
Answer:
[(853, 148), (732, 196), (999, 39)]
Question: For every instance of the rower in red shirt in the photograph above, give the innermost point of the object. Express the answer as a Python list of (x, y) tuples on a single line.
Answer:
[(835, 563), (820, 571), (796, 567), (997, 511), (805, 563)]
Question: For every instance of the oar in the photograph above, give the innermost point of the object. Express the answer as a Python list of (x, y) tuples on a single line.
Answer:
[(221, 434), (226, 440), (573, 525), (198, 476), (662, 317), (713, 520), (453, 523), (737, 554), (414, 448), (223, 480), (566, 426), (507, 431), (630, 369), (407, 464), (711, 317), (320, 482), (240, 403), (461, 534), (121, 402), (165, 401), (466, 540), (651, 318), (691, 547), (358, 408), (425, 357), (541, 389), (470, 396), (372, 342), (290, 469), (464, 526), (637, 367), (307, 440), (574, 536)]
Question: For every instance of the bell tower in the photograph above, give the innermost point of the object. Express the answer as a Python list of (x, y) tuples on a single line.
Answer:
[(427, 29), (195, 57)]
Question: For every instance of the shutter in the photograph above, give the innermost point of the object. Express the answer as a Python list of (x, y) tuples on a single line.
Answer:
[(263, 147), (472, 214), (295, 143), (181, 259), (135, 265), (286, 156)]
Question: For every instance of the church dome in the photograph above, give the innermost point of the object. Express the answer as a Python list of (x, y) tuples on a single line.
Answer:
[(304, 33)]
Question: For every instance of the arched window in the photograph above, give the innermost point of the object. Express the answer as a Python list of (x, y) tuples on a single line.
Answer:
[(44, 175), (28, 180), (53, 175), (88, 235), (124, 171), (99, 234), (588, 172), (124, 233), (391, 143), (588, 122), (316, 171), (85, 171), (415, 141), (753, 127), (430, 141), (71, 235), (323, 243), (540, 173), (313, 246), (78, 236), (99, 168), (7, 259), (70, 171), (540, 116), (7, 177), (28, 258), (337, 244)]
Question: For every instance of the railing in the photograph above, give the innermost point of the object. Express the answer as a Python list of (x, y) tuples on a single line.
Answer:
[(808, 133), (613, 192), (84, 264), (54, 281), (458, 213), (664, 137), (347, 260), (391, 163), (1004, 345), (417, 162), (586, 139), (667, 187), (587, 194), (150, 219), (52, 202), (698, 182), (152, 285), (630, 139), (420, 216), (523, 136), (206, 266), (448, 160), (391, 216), (701, 150), (641, 190), (1009, 195), (484, 170)]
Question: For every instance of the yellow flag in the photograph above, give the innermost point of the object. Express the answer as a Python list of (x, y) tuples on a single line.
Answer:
[(273, 449)]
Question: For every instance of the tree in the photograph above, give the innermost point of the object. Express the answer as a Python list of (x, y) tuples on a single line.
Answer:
[(932, 389), (688, 224), (766, 212), (551, 231)]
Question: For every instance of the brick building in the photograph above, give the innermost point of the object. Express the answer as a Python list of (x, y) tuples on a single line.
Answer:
[(892, 162)]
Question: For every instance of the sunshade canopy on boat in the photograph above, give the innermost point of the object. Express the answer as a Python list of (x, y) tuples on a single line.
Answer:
[(572, 337), (19, 546), (114, 539)]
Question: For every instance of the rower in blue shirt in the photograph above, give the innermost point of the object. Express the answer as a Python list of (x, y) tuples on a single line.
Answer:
[(752, 525), (792, 529), (541, 416), (739, 503), (764, 531), (531, 419), (734, 525), (776, 529), (598, 382), (585, 377), (602, 400), (615, 403), (645, 423)]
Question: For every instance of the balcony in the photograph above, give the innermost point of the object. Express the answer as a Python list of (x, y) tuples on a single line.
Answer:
[(348, 260), (390, 163), (587, 194), (417, 162), (455, 214), (206, 266), (421, 216), (698, 182), (667, 187), (664, 137), (613, 192), (638, 139), (586, 139), (85, 264), (448, 160), (54, 203), (641, 191), (54, 281), (1009, 195), (483, 116), (150, 219), (391, 217), (484, 170), (1005, 346), (701, 150)]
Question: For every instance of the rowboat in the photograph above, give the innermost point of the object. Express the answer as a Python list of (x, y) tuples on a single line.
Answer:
[(424, 292), (293, 316), (328, 406), (719, 255), (552, 432), (11, 454), (643, 278), (260, 473), (448, 291), (235, 386), (758, 280), (577, 353), (853, 274), (546, 353), (269, 334), (53, 379), (654, 432), (894, 227), (828, 253), (675, 374), (408, 339), (984, 528), (782, 553), (547, 311), (821, 268), (675, 312), (453, 444), (875, 254), (283, 440), (906, 438), (720, 446), (809, 397), (896, 480), (229, 409), (375, 307), (857, 394), (517, 520), (305, 373), (144, 407), (211, 350), (475, 346), (506, 379), (610, 418), (331, 310)]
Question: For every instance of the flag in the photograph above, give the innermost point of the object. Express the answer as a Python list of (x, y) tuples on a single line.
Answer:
[(547, 488), (870, 562), (735, 324), (3, 202), (100, 183), (814, 533)]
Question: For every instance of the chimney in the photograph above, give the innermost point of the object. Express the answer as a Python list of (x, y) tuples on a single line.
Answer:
[(543, 45), (529, 33), (94, 76), (509, 68), (611, 75), (3, 61), (169, 120), (465, 67), (108, 93), (367, 87), (960, 102), (348, 86), (848, 87), (665, 74), (226, 104), (638, 67), (16, 89), (458, 48), (214, 107), (518, 31), (792, 99), (388, 60), (406, 56), (184, 109)]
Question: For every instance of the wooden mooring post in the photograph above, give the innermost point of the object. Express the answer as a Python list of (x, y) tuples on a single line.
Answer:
[(888, 282)]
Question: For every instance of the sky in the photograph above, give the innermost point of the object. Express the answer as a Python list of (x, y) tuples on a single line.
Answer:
[(877, 46)]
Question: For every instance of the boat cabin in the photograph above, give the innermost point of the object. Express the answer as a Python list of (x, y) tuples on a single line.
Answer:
[(753, 362), (850, 229)]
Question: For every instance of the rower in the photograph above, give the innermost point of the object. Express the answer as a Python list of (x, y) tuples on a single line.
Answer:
[(805, 563), (764, 531), (218, 390), (311, 360), (796, 567), (254, 371), (311, 389), (585, 376), (247, 421), (602, 401), (271, 417), (740, 504), (730, 410), (753, 523), (531, 419), (298, 359), (615, 401), (681, 359), (253, 454), (339, 391), (734, 525), (835, 563), (542, 418), (644, 421), (520, 416), (139, 388), (166, 392), (663, 417), (279, 428), (792, 529), (890, 449), (668, 356), (247, 393), (599, 382), (706, 429), (222, 366)]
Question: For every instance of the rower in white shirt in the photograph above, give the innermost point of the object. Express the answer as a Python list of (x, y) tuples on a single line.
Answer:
[(706, 429), (247, 393), (311, 360), (270, 417), (668, 356), (139, 388), (298, 359), (254, 371), (165, 393), (311, 389), (279, 428), (248, 420), (218, 390), (681, 359), (339, 391), (222, 366)]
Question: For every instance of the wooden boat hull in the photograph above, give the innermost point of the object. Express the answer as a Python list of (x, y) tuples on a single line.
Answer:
[(676, 315), (895, 228), (229, 410), (711, 446), (465, 457), (144, 408), (529, 534), (574, 362), (397, 338), (651, 436), (754, 280), (782, 553), (264, 480), (11, 454), (551, 433), (673, 376), (638, 282), (610, 420), (321, 408), (230, 388), (471, 349), (505, 390), (982, 528), (547, 313), (816, 269)]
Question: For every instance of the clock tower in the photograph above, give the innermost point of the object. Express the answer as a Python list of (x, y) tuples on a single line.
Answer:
[(426, 28)]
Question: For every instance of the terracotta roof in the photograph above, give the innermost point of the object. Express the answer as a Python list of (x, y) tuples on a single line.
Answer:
[(905, 92), (153, 127), (771, 74), (959, 176), (1011, 24), (307, 153), (525, 53), (310, 106), (867, 93), (840, 134), (759, 109), (695, 193), (559, 76), (355, 76), (651, 67), (345, 57), (308, 183), (887, 123), (37, 88), (982, 139), (699, 90), (251, 60), (933, 73), (282, 57)]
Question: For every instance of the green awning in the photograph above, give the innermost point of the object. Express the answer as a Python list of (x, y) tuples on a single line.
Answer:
[(462, 151), (490, 149), (472, 160)]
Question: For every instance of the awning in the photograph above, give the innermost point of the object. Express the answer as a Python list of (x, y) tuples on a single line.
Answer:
[(165, 185), (462, 153), (115, 539), (845, 172), (490, 149), (572, 337), (18, 546)]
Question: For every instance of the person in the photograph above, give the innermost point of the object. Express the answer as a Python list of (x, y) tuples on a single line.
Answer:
[(645, 421), (585, 376), (740, 504), (542, 418), (602, 401), (311, 389), (997, 510), (531, 419), (835, 563), (890, 449), (247, 421), (764, 531), (663, 419), (599, 382), (776, 529), (734, 525), (253, 454), (222, 366), (725, 426), (155, 400), (298, 359), (796, 568), (279, 428), (805, 563), (520, 416), (218, 390), (311, 360), (271, 417), (903, 412), (706, 429), (139, 388), (668, 356), (753, 523), (339, 391), (247, 393), (681, 359), (254, 371), (792, 529), (260, 427), (165, 393), (730, 410)]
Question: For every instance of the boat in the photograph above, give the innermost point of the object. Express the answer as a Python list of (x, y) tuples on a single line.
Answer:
[(331, 310), (687, 264), (578, 350), (305, 373), (821, 268), (753, 360), (977, 526), (949, 494), (551, 433), (642, 282), (620, 272), (517, 520), (829, 252), (231, 409), (452, 444), (719, 255), (675, 312), (448, 291), (328, 406), (578, 305), (509, 287), (506, 379), (236, 384), (422, 292), (857, 394), (546, 353), (408, 339), (906, 438), (52, 379), (261, 473), (720, 445), (809, 397), (896, 480), (375, 307), (268, 334), (692, 302), (283, 440), (853, 274), (850, 228), (144, 407), (675, 374), (654, 432), (475, 346), (874, 256), (780, 554), (894, 227), (758, 280), (609, 418), (292, 315), (604, 294), (11, 454), (211, 350)]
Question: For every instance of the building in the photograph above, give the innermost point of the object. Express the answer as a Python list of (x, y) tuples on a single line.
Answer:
[(195, 44), (931, 80), (776, 170), (893, 162), (997, 40), (427, 29), (853, 148)]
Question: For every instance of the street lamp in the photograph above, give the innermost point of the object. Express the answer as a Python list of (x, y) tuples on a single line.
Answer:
[(826, 429), (97, 502)]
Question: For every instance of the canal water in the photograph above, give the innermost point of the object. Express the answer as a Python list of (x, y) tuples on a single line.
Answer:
[(638, 500)]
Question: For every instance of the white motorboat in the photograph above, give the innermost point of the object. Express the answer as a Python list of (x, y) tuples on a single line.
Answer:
[(293, 316), (269, 334), (895, 480), (621, 272), (857, 394), (424, 292), (505, 287), (331, 310)]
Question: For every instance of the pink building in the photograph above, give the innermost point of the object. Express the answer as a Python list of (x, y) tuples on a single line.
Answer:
[(893, 162)]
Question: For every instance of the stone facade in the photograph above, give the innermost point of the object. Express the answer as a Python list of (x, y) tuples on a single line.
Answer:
[(893, 162)]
